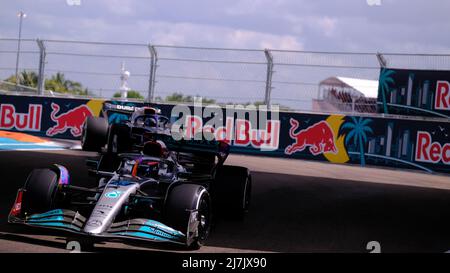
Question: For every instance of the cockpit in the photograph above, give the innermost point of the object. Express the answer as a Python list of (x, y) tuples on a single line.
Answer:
[(154, 163), (149, 117)]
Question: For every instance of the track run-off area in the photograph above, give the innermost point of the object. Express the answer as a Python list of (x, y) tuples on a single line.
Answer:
[(297, 206)]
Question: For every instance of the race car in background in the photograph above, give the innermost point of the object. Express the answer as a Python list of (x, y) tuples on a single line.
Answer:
[(147, 195), (135, 125)]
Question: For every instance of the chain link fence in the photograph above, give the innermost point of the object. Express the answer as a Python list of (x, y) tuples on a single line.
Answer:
[(291, 79)]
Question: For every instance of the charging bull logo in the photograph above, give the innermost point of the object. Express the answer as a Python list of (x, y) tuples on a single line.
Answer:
[(318, 137), (73, 120)]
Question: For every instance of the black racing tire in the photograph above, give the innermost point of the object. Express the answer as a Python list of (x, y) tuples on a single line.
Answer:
[(180, 201), (40, 191), (94, 134), (119, 139), (231, 191)]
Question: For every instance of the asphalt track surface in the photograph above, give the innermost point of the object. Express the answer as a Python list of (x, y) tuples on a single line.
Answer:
[(297, 206)]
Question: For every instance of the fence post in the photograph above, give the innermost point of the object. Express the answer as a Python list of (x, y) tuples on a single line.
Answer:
[(41, 76), (269, 59), (381, 60), (152, 76)]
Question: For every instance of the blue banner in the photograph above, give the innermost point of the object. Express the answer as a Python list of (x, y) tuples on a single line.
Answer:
[(365, 140)]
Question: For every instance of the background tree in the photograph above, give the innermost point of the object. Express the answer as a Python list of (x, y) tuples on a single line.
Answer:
[(56, 83), (26, 78), (132, 94), (179, 97), (59, 83)]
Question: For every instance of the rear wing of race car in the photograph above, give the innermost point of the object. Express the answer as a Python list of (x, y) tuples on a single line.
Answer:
[(116, 113), (119, 108)]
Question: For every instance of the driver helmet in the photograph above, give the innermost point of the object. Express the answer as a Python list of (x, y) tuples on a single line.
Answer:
[(146, 168)]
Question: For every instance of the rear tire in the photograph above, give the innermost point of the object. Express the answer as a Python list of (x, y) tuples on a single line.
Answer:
[(231, 191), (183, 198), (94, 135), (119, 140), (40, 191)]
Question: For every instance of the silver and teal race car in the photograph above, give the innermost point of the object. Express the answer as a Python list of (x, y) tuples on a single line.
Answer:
[(148, 195)]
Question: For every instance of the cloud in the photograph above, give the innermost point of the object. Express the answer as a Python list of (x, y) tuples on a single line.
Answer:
[(214, 36), (320, 25), (119, 7), (258, 40), (327, 25), (284, 24), (248, 7)]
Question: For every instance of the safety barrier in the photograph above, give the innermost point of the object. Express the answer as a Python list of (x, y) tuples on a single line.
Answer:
[(402, 143), (414, 92)]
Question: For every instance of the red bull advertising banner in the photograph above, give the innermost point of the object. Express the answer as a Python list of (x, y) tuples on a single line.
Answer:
[(363, 140), (414, 92), (401, 143), (44, 116)]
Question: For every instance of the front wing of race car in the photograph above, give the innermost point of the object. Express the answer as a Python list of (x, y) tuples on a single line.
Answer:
[(72, 221)]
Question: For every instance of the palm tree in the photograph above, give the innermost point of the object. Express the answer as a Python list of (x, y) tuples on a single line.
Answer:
[(26, 78), (59, 83), (29, 78), (56, 83), (357, 132), (385, 80), (73, 86)]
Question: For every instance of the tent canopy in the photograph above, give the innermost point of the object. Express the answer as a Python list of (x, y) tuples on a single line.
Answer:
[(366, 88)]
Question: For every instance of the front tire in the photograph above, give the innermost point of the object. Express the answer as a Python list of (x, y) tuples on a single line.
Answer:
[(95, 132), (183, 199), (40, 191)]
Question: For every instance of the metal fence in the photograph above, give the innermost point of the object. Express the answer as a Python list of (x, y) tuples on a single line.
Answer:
[(288, 78)]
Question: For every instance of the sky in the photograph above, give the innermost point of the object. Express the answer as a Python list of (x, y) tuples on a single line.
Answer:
[(400, 26), (346, 25)]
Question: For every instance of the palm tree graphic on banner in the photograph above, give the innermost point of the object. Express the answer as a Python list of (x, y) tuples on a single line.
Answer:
[(385, 80), (358, 129)]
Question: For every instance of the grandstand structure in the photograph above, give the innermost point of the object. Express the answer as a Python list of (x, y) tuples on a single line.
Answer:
[(343, 94)]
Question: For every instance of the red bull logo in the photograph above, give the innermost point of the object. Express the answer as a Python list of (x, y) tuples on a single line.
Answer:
[(238, 132), (10, 119), (318, 137), (442, 100), (429, 151), (72, 120)]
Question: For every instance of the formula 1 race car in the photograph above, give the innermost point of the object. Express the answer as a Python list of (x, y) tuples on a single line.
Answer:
[(146, 196), (136, 125)]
